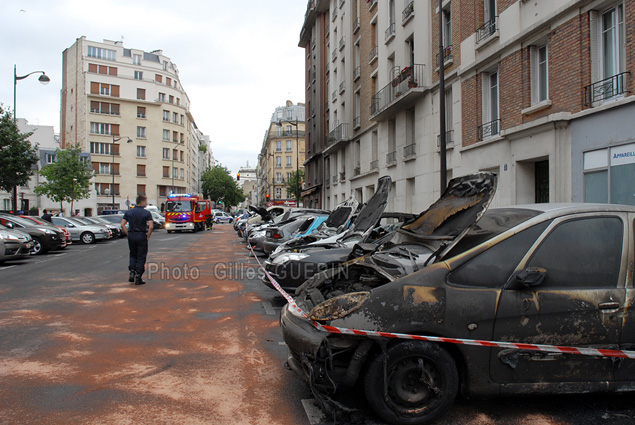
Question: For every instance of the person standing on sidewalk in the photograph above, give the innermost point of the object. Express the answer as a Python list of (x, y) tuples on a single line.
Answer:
[(137, 224)]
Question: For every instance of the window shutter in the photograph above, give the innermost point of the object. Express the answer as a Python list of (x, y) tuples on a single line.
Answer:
[(96, 167), (94, 106), (114, 108), (115, 168), (103, 69), (94, 88), (594, 35), (141, 94), (92, 67), (115, 147), (112, 71), (158, 78), (114, 129), (114, 91)]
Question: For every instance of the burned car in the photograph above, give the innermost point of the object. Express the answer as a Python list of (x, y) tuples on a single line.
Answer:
[(535, 274), (295, 262)]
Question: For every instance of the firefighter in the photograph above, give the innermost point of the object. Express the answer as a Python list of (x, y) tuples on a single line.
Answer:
[(139, 232)]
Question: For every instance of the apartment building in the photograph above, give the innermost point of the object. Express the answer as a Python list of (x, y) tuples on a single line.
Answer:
[(128, 109), (282, 153), (537, 92)]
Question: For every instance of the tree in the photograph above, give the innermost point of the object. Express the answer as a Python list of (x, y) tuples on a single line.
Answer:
[(67, 179), (294, 186), (17, 157), (218, 185)]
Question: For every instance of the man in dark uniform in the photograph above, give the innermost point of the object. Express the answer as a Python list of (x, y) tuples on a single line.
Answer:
[(139, 231), (47, 216)]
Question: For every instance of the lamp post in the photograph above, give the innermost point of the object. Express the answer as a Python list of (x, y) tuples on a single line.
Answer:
[(297, 158), (44, 79), (442, 106), (112, 167)]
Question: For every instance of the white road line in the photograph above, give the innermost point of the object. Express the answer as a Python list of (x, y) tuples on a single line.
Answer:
[(282, 343), (6, 267), (313, 411), (268, 308), (166, 239)]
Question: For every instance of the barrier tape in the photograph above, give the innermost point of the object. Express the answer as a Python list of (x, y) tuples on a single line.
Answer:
[(598, 352)]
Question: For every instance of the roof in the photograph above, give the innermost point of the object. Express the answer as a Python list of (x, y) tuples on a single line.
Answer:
[(573, 207)]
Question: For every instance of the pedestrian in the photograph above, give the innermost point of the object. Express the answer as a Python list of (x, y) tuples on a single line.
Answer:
[(47, 217), (137, 224)]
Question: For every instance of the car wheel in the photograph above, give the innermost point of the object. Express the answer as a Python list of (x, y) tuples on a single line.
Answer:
[(38, 247), (421, 381), (169, 231), (87, 238)]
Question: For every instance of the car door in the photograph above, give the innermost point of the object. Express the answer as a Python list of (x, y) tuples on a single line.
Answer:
[(579, 303), (625, 369), (72, 229)]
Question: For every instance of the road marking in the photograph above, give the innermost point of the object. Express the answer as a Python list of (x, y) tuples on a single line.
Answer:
[(268, 308), (282, 343), (313, 411), (168, 239), (6, 267)]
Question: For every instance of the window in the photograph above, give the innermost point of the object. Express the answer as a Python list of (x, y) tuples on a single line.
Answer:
[(278, 162), (166, 135), (141, 151), (182, 175), (175, 136), (278, 177), (182, 119), (141, 132), (166, 171), (618, 163), (289, 145), (99, 53), (165, 65), (141, 189), (6, 204), (166, 116), (490, 125), (102, 69), (182, 156), (289, 161), (171, 99), (50, 158), (104, 168), (100, 128), (289, 197), (162, 97), (158, 78), (573, 257), (490, 10), (168, 81), (141, 170), (166, 153), (278, 193), (492, 268), (141, 94), (104, 108), (136, 59), (138, 75), (141, 112), (539, 74), (101, 148), (288, 176), (104, 89), (447, 28), (613, 53), (278, 146), (175, 173), (175, 118)]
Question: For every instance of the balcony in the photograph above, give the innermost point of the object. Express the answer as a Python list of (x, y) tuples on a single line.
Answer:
[(327, 30), (342, 42), (489, 129), (402, 90), (339, 134), (334, 55), (356, 26), (357, 170), (408, 12), (327, 68), (374, 165), (373, 54), (342, 87), (334, 17), (342, 176), (487, 30), (327, 106), (357, 123), (391, 158), (372, 4), (448, 59), (357, 72), (449, 140), (334, 179), (410, 151), (606, 89), (334, 95), (390, 32)]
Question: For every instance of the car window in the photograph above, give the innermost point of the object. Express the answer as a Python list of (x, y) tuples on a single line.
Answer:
[(492, 268), (582, 253)]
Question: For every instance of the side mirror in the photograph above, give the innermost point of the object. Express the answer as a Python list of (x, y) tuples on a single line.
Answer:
[(531, 277), (9, 225)]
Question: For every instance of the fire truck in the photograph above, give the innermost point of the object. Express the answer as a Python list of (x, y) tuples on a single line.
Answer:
[(186, 212)]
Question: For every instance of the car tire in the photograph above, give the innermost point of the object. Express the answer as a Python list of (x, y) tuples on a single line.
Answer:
[(87, 238), (38, 247), (421, 382), (169, 231)]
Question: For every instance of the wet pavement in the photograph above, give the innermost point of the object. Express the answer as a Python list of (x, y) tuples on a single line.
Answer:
[(199, 344)]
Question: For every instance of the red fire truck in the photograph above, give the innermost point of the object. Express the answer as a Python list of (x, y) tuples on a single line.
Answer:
[(186, 212)]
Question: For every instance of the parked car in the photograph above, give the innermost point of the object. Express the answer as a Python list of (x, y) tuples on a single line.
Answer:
[(223, 217), (88, 221), (303, 225), (537, 274), (256, 234), (158, 219), (45, 238), (115, 228), (38, 220), (85, 233), (15, 245)]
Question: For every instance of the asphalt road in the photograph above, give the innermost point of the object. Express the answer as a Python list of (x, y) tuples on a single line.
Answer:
[(199, 344)]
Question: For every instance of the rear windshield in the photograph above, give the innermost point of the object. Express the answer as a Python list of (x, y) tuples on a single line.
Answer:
[(493, 223), (179, 206)]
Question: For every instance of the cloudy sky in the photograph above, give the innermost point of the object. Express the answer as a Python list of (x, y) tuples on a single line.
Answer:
[(238, 60)]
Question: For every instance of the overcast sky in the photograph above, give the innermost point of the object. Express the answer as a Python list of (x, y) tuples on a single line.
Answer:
[(238, 60)]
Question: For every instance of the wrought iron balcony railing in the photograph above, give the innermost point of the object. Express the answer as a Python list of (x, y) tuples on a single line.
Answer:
[(357, 72), (357, 123), (391, 157), (341, 132), (488, 129), (487, 29), (449, 139), (373, 54), (374, 165), (356, 26), (408, 11), (390, 31), (409, 150), (407, 79), (606, 89)]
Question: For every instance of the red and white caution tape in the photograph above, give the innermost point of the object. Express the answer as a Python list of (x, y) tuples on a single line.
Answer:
[(623, 354)]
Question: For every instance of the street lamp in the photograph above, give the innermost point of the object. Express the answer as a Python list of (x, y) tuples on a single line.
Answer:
[(112, 168), (297, 157), (44, 79)]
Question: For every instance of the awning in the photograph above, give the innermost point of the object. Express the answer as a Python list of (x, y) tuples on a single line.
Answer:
[(310, 191)]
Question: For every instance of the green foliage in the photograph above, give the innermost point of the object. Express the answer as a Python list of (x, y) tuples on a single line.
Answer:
[(202, 148), (67, 179), (294, 186), (17, 156), (218, 185)]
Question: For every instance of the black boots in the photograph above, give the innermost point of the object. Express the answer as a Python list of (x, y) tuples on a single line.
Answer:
[(139, 281), (131, 279)]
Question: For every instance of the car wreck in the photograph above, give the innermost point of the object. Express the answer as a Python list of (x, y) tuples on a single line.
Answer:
[(528, 274)]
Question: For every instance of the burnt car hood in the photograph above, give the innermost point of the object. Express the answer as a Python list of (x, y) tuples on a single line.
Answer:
[(371, 212), (263, 213)]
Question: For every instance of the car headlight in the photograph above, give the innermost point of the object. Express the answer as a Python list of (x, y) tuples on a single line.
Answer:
[(8, 237), (339, 307), (293, 256), (47, 231)]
